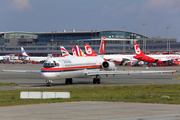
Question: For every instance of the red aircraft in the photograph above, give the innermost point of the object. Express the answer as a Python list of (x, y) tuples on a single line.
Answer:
[(140, 56)]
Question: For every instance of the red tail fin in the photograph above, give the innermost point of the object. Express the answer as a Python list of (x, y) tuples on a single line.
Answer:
[(89, 51), (138, 50), (102, 45), (74, 52)]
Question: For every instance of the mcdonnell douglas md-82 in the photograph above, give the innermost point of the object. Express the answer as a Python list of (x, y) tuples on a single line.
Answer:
[(74, 67)]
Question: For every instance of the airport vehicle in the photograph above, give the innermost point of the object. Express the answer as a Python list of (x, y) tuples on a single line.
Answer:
[(3, 58), (158, 59), (64, 52), (26, 57), (74, 67)]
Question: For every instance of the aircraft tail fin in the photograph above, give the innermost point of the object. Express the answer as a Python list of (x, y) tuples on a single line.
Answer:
[(82, 53), (102, 45), (74, 52), (138, 50), (89, 51), (64, 52), (24, 54), (79, 52)]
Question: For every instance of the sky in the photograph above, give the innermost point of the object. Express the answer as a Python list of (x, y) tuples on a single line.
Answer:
[(86, 15)]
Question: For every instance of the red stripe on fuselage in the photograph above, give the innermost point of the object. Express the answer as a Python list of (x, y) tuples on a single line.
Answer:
[(70, 68)]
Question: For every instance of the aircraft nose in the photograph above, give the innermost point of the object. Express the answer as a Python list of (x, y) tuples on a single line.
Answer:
[(49, 76)]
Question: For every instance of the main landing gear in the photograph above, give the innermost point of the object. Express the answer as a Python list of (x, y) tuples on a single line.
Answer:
[(68, 81), (97, 80), (48, 82)]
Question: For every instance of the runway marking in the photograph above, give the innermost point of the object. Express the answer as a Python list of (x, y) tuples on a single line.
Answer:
[(177, 76)]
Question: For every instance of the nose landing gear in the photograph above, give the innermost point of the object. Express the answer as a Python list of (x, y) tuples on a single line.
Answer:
[(48, 82)]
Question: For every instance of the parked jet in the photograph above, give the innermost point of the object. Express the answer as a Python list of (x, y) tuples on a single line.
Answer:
[(25, 56), (74, 67), (159, 59), (117, 58)]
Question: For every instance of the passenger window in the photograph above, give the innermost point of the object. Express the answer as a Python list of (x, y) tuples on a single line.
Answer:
[(57, 64)]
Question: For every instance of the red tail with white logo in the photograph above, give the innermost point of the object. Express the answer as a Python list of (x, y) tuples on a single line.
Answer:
[(102, 45), (74, 52), (140, 56), (89, 51), (138, 50)]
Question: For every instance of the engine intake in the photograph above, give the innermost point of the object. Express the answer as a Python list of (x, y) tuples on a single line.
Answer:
[(108, 65)]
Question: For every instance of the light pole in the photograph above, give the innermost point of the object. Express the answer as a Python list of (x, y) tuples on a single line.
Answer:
[(144, 38), (168, 45), (124, 47), (52, 42), (4, 47), (158, 33), (52, 45)]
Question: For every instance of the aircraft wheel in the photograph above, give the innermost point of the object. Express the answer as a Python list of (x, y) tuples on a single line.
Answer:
[(48, 84), (70, 81), (98, 81), (94, 81), (67, 81)]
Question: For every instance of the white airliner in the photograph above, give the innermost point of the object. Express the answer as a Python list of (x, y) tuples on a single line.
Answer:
[(159, 59), (75, 67), (124, 58), (113, 57), (25, 56)]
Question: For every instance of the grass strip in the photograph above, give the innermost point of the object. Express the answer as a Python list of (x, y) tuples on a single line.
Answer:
[(8, 84), (165, 94)]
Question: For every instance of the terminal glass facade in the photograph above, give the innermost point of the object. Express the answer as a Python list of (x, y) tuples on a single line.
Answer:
[(20, 35), (119, 34), (58, 37)]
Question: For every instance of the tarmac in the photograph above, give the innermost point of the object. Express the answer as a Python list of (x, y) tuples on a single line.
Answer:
[(92, 110), (89, 110), (27, 80)]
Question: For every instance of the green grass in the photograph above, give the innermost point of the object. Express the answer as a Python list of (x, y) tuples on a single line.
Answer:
[(166, 94), (8, 84)]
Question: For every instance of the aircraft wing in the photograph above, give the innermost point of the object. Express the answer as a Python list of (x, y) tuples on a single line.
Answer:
[(128, 72), (23, 71)]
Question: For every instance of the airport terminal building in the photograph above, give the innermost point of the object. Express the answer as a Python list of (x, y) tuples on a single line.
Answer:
[(43, 43)]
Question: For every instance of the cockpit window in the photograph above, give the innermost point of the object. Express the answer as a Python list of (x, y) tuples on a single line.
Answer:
[(49, 65), (55, 63)]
